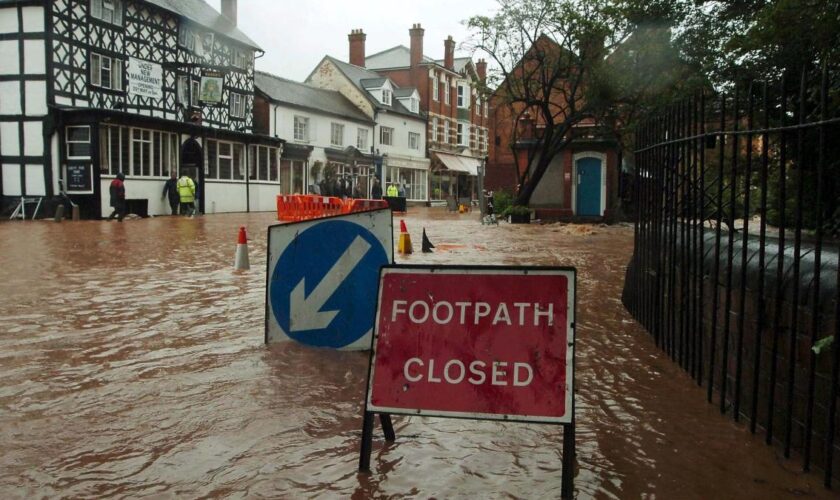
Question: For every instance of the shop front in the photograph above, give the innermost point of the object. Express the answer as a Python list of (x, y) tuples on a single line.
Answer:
[(348, 172), (454, 177), (409, 175), (94, 146)]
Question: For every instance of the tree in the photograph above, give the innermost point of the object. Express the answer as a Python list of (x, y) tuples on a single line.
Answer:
[(559, 63)]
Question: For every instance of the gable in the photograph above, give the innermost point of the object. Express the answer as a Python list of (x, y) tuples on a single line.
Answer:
[(327, 76)]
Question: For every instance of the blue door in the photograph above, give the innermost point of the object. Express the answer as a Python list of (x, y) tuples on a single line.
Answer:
[(589, 186)]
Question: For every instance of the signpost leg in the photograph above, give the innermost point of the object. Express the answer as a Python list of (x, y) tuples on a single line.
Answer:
[(387, 427), (367, 442), (567, 487)]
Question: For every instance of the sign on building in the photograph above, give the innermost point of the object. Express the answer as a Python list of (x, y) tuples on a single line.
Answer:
[(212, 84), (474, 342), (145, 78), (322, 279)]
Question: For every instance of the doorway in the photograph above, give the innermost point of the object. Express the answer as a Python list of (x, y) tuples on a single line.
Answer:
[(192, 164), (589, 180)]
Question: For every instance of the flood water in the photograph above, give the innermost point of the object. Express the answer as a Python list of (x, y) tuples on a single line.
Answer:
[(132, 364)]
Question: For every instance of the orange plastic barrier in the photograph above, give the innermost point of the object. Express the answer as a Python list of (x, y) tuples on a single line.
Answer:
[(298, 207), (363, 205)]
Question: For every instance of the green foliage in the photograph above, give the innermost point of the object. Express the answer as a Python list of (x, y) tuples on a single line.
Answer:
[(516, 210), (502, 200), (315, 171)]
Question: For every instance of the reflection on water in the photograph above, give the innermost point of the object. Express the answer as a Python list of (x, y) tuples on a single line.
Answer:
[(132, 364)]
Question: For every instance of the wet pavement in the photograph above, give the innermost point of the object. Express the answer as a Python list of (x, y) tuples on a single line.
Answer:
[(132, 364)]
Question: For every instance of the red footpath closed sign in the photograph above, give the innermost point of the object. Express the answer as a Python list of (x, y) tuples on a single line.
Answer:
[(474, 342)]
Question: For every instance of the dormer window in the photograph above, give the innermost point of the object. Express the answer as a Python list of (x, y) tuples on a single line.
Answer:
[(386, 97), (415, 105), (109, 11)]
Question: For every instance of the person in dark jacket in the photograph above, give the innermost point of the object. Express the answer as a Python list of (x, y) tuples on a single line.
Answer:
[(117, 191), (376, 190), (171, 189)]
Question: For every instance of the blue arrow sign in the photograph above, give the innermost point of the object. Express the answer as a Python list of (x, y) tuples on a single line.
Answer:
[(322, 290)]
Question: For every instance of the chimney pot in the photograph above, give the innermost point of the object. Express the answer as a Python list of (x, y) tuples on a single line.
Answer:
[(357, 39), (416, 34), (449, 53)]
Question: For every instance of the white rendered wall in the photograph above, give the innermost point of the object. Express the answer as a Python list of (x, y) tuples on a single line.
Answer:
[(402, 125)]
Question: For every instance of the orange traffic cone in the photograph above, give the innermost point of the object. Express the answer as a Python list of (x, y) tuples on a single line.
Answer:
[(241, 261), (405, 239)]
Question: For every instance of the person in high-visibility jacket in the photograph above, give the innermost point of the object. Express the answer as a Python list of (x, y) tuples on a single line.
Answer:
[(186, 193), (392, 191)]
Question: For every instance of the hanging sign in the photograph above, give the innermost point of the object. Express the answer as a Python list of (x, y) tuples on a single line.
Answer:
[(212, 84), (145, 78)]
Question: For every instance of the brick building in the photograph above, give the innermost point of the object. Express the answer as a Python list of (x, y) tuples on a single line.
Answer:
[(451, 96), (581, 181)]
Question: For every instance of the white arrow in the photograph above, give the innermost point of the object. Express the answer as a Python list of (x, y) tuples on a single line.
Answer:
[(305, 311)]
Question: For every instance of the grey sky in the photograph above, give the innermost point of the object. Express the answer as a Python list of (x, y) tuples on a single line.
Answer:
[(296, 35)]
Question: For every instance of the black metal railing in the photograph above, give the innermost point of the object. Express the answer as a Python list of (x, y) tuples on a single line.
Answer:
[(735, 271)]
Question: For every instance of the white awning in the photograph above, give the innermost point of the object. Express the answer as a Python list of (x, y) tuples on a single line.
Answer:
[(457, 163)]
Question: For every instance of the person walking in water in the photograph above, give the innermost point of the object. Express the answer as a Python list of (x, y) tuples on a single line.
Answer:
[(171, 189), (186, 194), (376, 190), (117, 192)]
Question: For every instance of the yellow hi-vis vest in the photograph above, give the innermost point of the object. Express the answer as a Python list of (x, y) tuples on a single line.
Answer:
[(186, 189), (392, 191)]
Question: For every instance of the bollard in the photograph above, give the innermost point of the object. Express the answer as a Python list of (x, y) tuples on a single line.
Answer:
[(59, 213)]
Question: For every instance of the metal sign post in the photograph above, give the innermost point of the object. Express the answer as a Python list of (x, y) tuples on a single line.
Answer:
[(322, 278), (490, 343)]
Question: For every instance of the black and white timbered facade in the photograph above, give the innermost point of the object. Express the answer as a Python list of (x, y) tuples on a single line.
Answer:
[(91, 88)]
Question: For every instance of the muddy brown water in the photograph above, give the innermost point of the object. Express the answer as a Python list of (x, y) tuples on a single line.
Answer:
[(132, 364)]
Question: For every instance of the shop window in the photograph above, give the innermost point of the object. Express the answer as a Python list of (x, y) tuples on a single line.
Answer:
[(262, 163), (137, 152), (78, 142)]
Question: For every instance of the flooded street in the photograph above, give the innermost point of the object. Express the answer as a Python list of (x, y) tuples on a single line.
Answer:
[(132, 364)]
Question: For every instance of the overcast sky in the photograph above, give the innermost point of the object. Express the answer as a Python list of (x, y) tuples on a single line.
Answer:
[(297, 34)]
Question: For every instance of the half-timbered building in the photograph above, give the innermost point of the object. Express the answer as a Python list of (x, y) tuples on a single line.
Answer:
[(91, 88)]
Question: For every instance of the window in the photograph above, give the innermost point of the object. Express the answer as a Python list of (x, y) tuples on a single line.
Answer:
[(463, 96), (386, 136), (362, 139), (415, 105), (188, 91), (435, 88), (477, 106), (237, 105), (434, 133), (109, 11), (105, 72), (78, 142), (386, 97), (186, 38), (301, 128), (413, 140), (446, 131), (137, 152), (486, 108), (224, 160), (414, 181), (337, 134), (262, 163), (240, 59), (446, 91), (195, 92), (463, 134)]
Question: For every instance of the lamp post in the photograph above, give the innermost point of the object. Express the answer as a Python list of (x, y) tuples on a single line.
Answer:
[(481, 201)]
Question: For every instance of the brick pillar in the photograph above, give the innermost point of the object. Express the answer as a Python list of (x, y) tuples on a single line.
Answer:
[(357, 47)]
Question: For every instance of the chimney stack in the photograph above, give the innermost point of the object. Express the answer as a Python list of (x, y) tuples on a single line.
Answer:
[(481, 69), (229, 10), (357, 47), (449, 53), (416, 34)]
